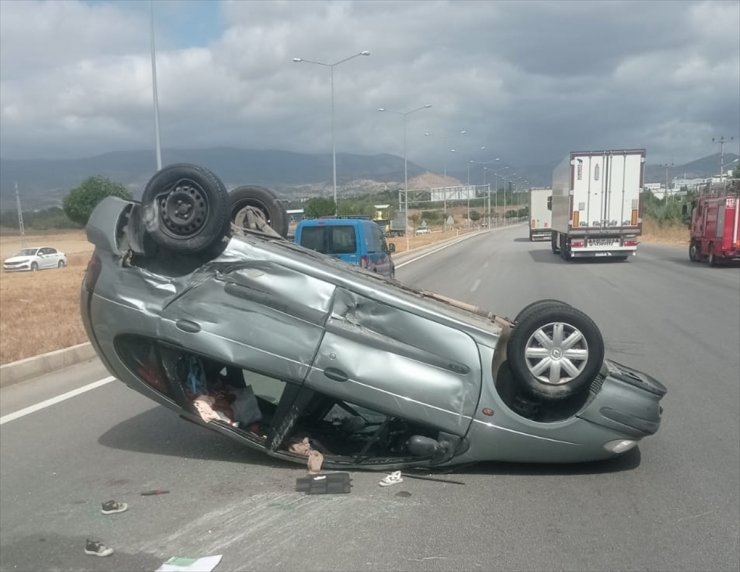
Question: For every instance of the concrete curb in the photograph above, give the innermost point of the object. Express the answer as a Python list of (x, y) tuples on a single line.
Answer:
[(35, 366)]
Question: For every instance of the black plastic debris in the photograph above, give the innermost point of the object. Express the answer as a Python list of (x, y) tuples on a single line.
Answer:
[(331, 484)]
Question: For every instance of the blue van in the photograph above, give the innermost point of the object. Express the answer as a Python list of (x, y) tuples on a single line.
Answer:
[(358, 241)]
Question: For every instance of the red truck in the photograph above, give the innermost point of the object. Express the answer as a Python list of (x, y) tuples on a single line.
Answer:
[(714, 229)]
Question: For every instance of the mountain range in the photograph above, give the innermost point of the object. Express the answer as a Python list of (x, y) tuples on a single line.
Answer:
[(43, 183)]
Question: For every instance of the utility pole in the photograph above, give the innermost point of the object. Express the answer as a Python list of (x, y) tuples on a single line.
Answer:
[(721, 140), (667, 166), (20, 217)]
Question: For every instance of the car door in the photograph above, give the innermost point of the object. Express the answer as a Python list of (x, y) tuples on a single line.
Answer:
[(398, 362), (378, 250), (259, 315), (47, 258)]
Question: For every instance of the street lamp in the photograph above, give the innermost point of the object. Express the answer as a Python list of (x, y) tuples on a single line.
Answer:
[(447, 147), (405, 114), (333, 143)]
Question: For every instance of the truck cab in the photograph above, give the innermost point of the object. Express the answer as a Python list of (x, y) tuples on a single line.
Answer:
[(714, 229)]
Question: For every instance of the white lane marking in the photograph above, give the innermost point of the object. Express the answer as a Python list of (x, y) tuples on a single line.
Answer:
[(475, 285), (455, 241), (54, 400)]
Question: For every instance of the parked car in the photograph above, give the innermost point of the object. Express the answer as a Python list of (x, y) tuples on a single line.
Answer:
[(192, 299), (35, 258), (358, 241), (423, 230)]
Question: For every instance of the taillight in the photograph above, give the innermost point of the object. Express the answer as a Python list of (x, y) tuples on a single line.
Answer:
[(577, 243), (630, 242), (92, 273)]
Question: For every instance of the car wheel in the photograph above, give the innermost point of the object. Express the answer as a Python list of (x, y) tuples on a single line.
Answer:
[(186, 209), (34, 266), (534, 306), (264, 201), (694, 255), (61, 264), (555, 352)]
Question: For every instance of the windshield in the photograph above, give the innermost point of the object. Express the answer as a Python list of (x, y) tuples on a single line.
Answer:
[(27, 252)]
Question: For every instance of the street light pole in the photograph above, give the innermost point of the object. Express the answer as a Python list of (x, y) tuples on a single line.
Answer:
[(404, 115), (333, 139), (158, 150)]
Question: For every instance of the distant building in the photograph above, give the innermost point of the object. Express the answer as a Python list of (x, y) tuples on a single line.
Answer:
[(295, 215)]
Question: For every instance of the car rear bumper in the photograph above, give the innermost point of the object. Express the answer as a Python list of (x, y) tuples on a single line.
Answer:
[(627, 401)]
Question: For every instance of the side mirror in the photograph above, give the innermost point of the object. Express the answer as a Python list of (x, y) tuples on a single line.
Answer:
[(549, 203)]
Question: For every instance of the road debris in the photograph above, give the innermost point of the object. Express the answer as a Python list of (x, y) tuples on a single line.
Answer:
[(113, 507), (332, 483), (391, 479), (180, 564), (95, 548), (154, 492)]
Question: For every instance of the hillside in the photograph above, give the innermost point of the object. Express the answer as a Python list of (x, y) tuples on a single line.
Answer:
[(43, 183)]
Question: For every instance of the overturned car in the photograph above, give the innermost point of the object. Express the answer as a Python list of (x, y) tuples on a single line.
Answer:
[(194, 298)]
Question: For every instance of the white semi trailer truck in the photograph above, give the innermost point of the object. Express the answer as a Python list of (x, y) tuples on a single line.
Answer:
[(596, 204), (540, 214)]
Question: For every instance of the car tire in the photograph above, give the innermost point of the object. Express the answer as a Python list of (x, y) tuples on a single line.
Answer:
[(534, 306), (555, 352), (34, 267), (694, 254), (61, 264), (263, 200), (186, 209)]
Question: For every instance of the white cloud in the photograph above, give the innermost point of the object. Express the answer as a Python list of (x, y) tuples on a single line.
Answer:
[(529, 80)]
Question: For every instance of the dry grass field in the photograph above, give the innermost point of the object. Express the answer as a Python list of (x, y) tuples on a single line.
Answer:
[(39, 312)]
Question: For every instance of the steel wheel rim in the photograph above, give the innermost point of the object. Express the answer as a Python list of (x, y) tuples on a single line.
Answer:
[(184, 209), (556, 353)]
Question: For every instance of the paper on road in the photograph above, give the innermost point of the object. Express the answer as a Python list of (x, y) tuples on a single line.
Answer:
[(177, 564)]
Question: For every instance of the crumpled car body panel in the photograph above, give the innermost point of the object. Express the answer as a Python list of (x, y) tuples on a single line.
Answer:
[(335, 337)]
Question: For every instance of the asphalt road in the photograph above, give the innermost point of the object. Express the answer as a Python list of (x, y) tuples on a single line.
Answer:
[(673, 504)]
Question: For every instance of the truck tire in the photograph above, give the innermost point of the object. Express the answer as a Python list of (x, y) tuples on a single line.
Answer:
[(185, 209), (554, 242), (565, 248), (263, 200), (555, 352), (711, 258), (694, 252)]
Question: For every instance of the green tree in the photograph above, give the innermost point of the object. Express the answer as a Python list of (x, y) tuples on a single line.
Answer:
[(318, 207), (736, 171), (80, 202), (475, 215)]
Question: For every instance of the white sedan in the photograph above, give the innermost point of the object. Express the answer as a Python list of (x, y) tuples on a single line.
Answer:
[(36, 258)]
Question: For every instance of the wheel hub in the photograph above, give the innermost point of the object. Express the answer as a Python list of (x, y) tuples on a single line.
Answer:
[(556, 353), (184, 210)]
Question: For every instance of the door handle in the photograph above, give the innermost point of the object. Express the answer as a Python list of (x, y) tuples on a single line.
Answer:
[(335, 374), (188, 326)]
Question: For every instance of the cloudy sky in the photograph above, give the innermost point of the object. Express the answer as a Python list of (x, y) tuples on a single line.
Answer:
[(529, 81)]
